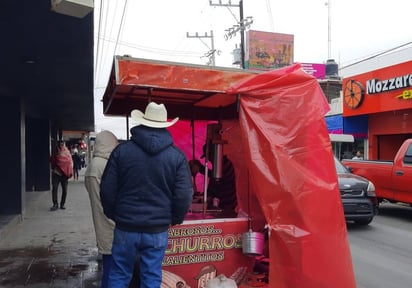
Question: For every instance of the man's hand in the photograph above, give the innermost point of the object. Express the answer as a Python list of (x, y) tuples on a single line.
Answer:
[(194, 166)]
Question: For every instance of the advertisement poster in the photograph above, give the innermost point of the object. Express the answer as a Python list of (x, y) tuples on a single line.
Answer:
[(316, 70), (200, 250), (267, 50)]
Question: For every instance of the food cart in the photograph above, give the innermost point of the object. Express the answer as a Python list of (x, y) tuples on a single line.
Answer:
[(272, 127)]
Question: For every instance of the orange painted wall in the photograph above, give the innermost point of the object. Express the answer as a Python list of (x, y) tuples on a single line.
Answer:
[(387, 131)]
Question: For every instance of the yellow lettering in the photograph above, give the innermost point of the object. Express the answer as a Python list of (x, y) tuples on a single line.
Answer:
[(193, 231), (407, 94), (204, 244), (192, 244), (193, 258), (229, 241), (176, 246), (217, 242)]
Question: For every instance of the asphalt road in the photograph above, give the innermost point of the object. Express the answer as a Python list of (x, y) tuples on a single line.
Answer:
[(382, 251)]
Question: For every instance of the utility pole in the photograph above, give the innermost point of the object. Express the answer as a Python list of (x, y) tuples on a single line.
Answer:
[(240, 27), (329, 3), (211, 53), (242, 34)]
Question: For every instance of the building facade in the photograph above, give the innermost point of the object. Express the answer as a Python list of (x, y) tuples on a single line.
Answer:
[(380, 100), (371, 100)]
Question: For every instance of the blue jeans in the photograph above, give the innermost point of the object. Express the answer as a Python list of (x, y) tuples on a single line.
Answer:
[(107, 260), (127, 246)]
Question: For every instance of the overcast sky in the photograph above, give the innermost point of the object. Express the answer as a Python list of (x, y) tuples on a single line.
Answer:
[(347, 30)]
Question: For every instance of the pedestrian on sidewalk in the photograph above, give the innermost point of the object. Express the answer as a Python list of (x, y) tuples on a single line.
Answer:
[(62, 169), (77, 164), (146, 188), (104, 143)]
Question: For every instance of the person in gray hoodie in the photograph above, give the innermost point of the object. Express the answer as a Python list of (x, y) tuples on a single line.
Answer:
[(146, 188), (105, 142)]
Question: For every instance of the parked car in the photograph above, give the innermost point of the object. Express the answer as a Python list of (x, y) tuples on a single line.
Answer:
[(358, 196), (392, 178)]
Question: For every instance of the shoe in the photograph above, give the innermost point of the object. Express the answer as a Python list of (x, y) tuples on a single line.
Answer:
[(54, 207), (62, 207)]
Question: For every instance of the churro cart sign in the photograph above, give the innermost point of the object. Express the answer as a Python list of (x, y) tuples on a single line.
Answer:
[(381, 90), (200, 250)]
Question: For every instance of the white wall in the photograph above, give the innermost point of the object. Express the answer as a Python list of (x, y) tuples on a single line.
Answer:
[(385, 60), (336, 106)]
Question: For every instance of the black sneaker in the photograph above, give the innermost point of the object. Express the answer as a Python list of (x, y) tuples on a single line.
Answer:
[(62, 207), (54, 207)]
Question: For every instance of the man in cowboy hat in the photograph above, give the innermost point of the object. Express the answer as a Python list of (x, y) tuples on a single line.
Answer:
[(146, 188)]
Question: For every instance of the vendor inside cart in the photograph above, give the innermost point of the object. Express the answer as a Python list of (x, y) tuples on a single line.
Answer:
[(221, 188)]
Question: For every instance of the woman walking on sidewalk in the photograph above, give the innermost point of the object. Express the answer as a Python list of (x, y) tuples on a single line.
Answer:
[(62, 169)]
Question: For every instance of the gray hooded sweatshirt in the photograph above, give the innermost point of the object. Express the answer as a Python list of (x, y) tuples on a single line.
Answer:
[(104, 144)]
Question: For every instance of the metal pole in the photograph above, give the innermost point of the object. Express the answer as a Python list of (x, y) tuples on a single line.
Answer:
[(242, 34), (127, 127), (205, 184), (213, 49), (329, 29)]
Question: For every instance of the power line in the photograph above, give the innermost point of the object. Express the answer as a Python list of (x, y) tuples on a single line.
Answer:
[(377, 55), (120, 26), (154, 50), (98, 42)]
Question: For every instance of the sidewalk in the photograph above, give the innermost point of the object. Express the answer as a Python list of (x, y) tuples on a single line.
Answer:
[(51, 248)]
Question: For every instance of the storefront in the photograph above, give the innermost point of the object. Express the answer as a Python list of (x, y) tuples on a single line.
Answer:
[(342, 145), (348, 135), (381, 100)]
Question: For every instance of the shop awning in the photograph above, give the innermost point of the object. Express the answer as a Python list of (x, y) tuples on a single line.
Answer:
[(341, 138), (188, 91)]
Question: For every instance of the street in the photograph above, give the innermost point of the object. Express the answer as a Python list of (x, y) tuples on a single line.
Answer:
[(382, 251)]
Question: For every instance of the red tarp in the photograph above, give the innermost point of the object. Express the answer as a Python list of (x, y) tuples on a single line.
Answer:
[(293, 175), (280, 147)]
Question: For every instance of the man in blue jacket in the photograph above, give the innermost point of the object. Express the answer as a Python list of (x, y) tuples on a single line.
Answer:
[(146, 188)]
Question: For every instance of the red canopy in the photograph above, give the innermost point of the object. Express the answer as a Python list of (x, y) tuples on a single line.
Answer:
[(188, 91), (289, 158), (279, 143)]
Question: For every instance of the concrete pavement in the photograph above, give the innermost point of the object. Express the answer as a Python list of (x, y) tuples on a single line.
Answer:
[(51, 248)]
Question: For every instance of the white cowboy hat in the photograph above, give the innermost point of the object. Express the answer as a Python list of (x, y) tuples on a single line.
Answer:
[(155, 116)]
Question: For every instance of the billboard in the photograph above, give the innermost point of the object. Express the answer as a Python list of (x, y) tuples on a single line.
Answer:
[(316, 70), (268, 50)]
